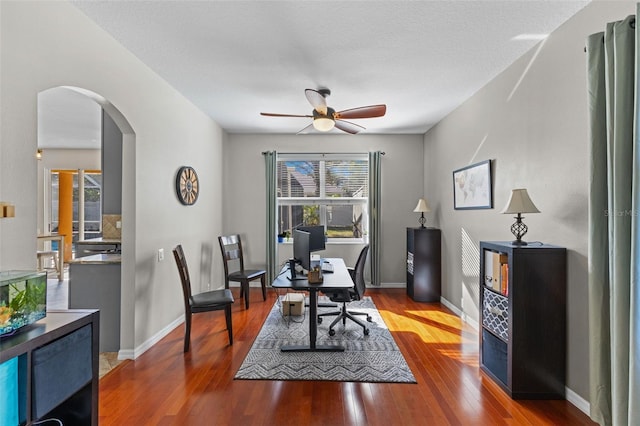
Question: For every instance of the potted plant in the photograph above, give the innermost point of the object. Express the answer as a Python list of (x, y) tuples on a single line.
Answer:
[(284, 236)]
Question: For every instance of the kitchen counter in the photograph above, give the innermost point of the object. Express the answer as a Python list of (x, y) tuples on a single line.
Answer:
[(97, 259), (94, 283), (100, 241), (93, 246)]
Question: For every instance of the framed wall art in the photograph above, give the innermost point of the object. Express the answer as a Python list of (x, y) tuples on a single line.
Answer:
[(472, 187)]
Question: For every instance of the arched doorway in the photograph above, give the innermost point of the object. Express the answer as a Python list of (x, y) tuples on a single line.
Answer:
[(73, 118)]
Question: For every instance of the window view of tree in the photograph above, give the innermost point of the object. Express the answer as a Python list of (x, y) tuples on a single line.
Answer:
[(331, 192)]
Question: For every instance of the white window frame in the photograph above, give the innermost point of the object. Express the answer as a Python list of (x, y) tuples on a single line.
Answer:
[(323, 201)]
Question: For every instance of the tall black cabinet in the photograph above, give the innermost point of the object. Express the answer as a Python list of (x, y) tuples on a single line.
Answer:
[(424, 274), (523, 317)]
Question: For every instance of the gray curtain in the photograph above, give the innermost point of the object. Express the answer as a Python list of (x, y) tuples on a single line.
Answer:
[(614, 270), (270, 158), (374, 215)]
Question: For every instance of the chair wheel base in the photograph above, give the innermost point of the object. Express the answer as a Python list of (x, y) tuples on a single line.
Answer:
[(366, 331), (332, 332), (369, 319), (319, 320)]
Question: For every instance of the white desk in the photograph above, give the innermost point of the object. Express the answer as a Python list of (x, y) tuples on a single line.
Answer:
[(60, 239)]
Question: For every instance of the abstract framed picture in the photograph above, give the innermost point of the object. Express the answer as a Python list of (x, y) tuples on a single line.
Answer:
[(472, 187)]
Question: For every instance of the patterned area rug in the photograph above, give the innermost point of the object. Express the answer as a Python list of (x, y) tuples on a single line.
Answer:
[(372, 358)]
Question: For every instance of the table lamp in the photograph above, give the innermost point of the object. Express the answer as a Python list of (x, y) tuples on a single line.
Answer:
[(519, 203), (421, 208)]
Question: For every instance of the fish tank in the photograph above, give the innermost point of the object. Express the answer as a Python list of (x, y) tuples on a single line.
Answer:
[(23, 299)]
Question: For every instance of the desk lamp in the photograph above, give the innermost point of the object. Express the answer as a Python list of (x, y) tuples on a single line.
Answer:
[(519, 203), (422, 208)]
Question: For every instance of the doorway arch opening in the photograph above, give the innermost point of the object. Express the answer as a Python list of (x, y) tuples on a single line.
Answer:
[(69, 116)]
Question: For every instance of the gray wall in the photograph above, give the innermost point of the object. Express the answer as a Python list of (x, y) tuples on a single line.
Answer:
[(532, 121), (111, 166)]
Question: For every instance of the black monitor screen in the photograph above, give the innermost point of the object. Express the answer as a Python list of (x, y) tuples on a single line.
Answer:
[(317, 241), (301, 252)]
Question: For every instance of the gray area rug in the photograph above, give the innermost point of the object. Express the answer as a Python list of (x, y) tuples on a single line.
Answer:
[(372, 358)]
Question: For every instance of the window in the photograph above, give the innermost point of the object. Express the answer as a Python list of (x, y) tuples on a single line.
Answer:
[(324, 189), (92, 204)]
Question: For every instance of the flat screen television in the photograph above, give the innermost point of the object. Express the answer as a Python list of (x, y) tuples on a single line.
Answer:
[(301, 252), (317, 238), (23, 299)]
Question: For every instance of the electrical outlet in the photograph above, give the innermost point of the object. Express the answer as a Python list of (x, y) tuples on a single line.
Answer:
[(160, 255), (118, 224)]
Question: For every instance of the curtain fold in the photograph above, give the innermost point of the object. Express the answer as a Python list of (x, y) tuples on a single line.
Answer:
[(613, 267), (375, 170), (270, 158)]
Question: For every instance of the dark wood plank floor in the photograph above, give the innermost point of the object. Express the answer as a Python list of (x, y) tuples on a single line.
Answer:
[(166, 387)]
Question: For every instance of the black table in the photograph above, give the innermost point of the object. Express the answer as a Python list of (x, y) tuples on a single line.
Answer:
[(339, 279)]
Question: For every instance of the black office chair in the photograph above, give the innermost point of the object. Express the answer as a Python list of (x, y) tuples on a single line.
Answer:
[(203, 302), (349, 295), (231, 247)]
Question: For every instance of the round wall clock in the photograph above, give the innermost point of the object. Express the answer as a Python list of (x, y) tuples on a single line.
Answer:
[(187, 185)]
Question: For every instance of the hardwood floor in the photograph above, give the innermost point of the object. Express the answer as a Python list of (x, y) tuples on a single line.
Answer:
[(166, 387)]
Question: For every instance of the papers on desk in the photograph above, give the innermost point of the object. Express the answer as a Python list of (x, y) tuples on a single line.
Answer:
[(327, 268)]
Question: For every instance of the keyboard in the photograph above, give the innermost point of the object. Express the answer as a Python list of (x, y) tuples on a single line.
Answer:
[(327, 268)]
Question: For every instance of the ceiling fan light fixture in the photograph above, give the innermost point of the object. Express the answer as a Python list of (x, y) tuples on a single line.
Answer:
[(323, 124), (326, 118)]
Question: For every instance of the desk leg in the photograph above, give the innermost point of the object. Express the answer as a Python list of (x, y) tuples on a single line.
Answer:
[(313, 331), (313, 318)]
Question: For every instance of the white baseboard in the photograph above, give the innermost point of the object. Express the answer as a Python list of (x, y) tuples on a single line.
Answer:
[(133, 354), (575, 399), (388, 285), (451, 307), (125, 354)]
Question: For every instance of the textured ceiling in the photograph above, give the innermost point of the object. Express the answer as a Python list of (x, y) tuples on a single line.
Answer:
[(235, 59)]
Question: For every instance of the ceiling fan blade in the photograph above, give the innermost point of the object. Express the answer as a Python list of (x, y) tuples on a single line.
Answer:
[(362, 112), (306, 130), (271, 114), (317, 100), (347, 126)]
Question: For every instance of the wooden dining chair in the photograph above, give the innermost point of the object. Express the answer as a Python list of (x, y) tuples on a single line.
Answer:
[(203, 302), (233, 261)]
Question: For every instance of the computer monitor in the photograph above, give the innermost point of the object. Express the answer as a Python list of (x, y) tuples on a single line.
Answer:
[(317, 242), (301, 252)]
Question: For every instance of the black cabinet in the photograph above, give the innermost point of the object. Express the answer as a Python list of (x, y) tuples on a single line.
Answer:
[(424, 274), (523, 318), (56, 371)]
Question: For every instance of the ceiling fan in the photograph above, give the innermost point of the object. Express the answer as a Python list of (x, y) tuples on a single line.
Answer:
[(326, 118)]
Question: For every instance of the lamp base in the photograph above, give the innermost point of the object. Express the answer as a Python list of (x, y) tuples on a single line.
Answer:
[(518, 229)]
